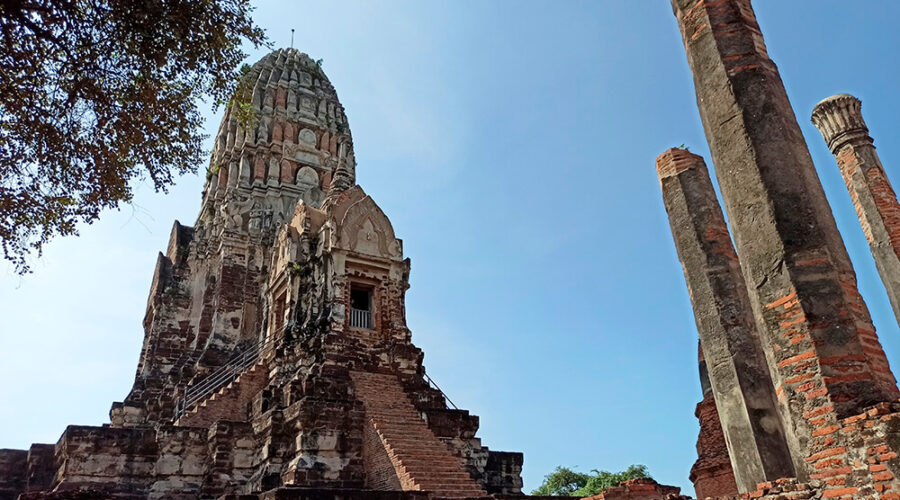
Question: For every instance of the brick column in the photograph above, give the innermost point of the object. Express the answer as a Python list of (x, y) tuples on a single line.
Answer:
[(816, 327), (742, 387), (840, 120), (711, 474)]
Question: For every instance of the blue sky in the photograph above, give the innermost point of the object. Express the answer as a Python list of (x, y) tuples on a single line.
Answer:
[(512, 145)]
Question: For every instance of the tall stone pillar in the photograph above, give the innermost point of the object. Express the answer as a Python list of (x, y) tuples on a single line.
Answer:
[(840, 120), (738, 373), (816, 328)]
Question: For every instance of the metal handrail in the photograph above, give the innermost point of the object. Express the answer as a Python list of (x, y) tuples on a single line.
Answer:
[(225, 374), (231, 369), (432, 383), (238, 364)]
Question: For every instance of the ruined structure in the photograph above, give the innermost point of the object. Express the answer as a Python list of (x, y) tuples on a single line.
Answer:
[(794, 360), (276, 354), (639, 489), (840, 120), (736, 365), (711, 474)]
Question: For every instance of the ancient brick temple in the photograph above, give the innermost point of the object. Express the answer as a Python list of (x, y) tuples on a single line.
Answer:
[(276, 355), (801, 402)]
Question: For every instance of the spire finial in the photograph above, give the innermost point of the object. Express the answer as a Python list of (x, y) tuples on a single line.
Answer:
[(292, 38)]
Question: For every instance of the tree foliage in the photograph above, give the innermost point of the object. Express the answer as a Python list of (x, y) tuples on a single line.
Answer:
[(566, 482), (95, 94)]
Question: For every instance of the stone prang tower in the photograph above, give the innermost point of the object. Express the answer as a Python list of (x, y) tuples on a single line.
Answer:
[(276, 354)]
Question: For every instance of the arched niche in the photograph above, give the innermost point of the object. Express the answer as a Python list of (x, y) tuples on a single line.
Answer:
[(307, 137), (307, 177)]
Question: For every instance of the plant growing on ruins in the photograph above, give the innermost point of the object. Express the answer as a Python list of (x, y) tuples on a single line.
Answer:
[(317, 68), (241, 102), (295, 269), (564, 481), (95, 95)]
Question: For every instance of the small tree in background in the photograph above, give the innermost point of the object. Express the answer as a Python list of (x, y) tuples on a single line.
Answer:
[(97, 93), (563, 481)]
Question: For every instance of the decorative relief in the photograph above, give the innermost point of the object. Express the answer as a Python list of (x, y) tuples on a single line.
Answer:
[(277, 133), (308, 137), (289, 133), (286, 167), (366, 230), (262, 133), (236, 211), (273, 175), (291, 100), (307, 177), (246, 173), (367, 239)]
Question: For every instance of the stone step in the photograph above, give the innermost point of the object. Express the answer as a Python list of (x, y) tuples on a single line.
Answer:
[(412, 461), (395, 413), (424, 460), (452, 469), (451, 487), (458, 494), (476, 492), (420, 458), (412, 437), (409, 423), (415, 441), (413, 432), (216, 405), (426, 478), (433, 470), (432, 453)]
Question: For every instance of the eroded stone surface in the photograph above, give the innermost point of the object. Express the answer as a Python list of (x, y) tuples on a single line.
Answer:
[(736, 363)]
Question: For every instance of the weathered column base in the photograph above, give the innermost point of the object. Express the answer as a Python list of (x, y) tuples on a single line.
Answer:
[(712, 473), (861, 463)]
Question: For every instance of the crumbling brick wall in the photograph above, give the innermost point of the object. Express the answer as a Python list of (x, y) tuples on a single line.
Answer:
[(640, 489)]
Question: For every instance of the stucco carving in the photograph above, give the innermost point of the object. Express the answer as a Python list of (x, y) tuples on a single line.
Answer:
[(307, 137), (366, 230), (307, 177)]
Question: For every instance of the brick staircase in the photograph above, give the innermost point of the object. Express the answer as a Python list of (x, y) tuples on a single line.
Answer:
[(422, 462), (229, 402)]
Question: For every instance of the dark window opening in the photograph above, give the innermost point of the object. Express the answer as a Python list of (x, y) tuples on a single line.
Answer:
[(361, 307), (359, 299)]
